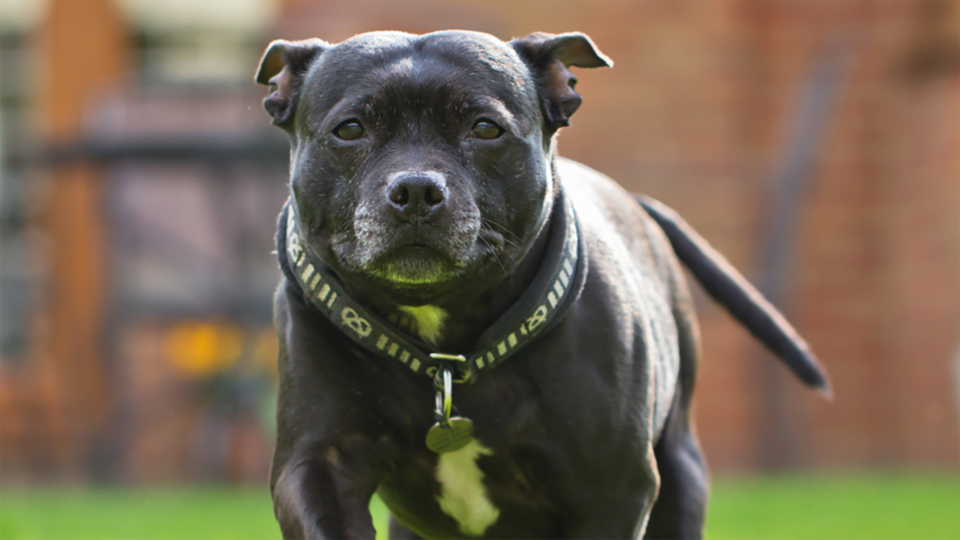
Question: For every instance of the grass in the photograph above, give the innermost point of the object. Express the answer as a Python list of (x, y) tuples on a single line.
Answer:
[(817, 507), (845, 507)]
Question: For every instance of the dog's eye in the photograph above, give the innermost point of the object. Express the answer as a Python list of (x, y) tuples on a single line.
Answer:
[(485, 129), (350, 130)]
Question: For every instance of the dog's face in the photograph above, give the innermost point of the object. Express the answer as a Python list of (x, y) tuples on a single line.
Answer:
[(421, 165)]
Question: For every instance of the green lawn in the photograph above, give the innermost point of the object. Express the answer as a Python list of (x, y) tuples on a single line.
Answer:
[(861, 507), (822, 507)]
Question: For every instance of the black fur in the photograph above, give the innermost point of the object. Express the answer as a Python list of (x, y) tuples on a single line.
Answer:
[(588, 426)]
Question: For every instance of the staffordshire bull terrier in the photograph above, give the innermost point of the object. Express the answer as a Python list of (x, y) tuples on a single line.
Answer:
[(498, 341)]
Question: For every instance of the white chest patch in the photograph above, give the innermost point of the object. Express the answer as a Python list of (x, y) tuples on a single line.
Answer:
[(429, 319), (462, 495)]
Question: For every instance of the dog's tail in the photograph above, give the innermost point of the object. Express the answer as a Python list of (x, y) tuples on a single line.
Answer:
[(722, 281)]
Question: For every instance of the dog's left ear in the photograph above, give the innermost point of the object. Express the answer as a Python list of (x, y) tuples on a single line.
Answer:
[(283, 67), (549, 56)]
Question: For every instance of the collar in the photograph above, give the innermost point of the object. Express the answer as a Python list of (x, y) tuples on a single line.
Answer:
[(553, 290)]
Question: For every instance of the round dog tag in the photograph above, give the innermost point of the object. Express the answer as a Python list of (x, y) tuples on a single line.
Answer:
[(454, 436)]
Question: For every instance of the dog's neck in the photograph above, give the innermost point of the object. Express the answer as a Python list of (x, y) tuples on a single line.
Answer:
[(454, 325), (468, 317)]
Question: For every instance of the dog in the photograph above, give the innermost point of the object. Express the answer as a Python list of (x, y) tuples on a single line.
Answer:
[(498, 341)]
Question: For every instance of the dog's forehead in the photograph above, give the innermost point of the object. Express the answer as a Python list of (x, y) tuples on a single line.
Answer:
[(469, 59), (475, 49), (455, 46), (373, 44)]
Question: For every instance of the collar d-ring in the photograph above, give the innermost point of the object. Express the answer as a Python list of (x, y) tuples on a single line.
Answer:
[(443, 383)]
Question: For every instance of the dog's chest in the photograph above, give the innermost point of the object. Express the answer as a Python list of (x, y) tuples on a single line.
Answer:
[(463, 495), (425, 322)]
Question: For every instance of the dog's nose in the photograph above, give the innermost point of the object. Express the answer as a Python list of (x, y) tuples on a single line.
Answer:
[(417, 194)]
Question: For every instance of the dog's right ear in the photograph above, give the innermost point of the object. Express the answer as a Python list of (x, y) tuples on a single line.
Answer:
[(283, 67)]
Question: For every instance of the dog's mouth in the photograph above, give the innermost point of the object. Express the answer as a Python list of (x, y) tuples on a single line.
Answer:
[(415, 263), (411, 257), (424, 263)]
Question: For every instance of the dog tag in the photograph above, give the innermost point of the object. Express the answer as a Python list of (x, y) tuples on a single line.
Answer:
[(448, 434), (455, 435)]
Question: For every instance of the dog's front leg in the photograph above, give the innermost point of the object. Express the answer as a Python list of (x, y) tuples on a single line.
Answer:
[(612, 517), (331, 452), (326, 495), (616, 503)]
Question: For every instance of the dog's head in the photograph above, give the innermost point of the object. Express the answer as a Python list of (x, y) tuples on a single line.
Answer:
[(422, 165)]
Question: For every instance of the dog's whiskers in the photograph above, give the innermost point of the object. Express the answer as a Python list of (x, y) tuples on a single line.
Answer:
[(494, 252), (504, 230)]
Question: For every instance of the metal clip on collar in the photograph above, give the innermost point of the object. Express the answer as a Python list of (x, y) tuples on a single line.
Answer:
[(443, 384), (448, 434)]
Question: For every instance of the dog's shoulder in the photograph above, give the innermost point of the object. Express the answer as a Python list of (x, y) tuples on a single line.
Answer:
[(610, 215), (597, 196)]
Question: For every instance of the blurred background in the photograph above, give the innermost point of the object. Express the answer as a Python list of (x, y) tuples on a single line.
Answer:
[(815, 144)]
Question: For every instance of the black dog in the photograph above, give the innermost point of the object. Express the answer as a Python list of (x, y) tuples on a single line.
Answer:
[(434, 236)]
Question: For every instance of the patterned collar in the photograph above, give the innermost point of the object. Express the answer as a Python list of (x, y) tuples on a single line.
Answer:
[(553, 290)]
